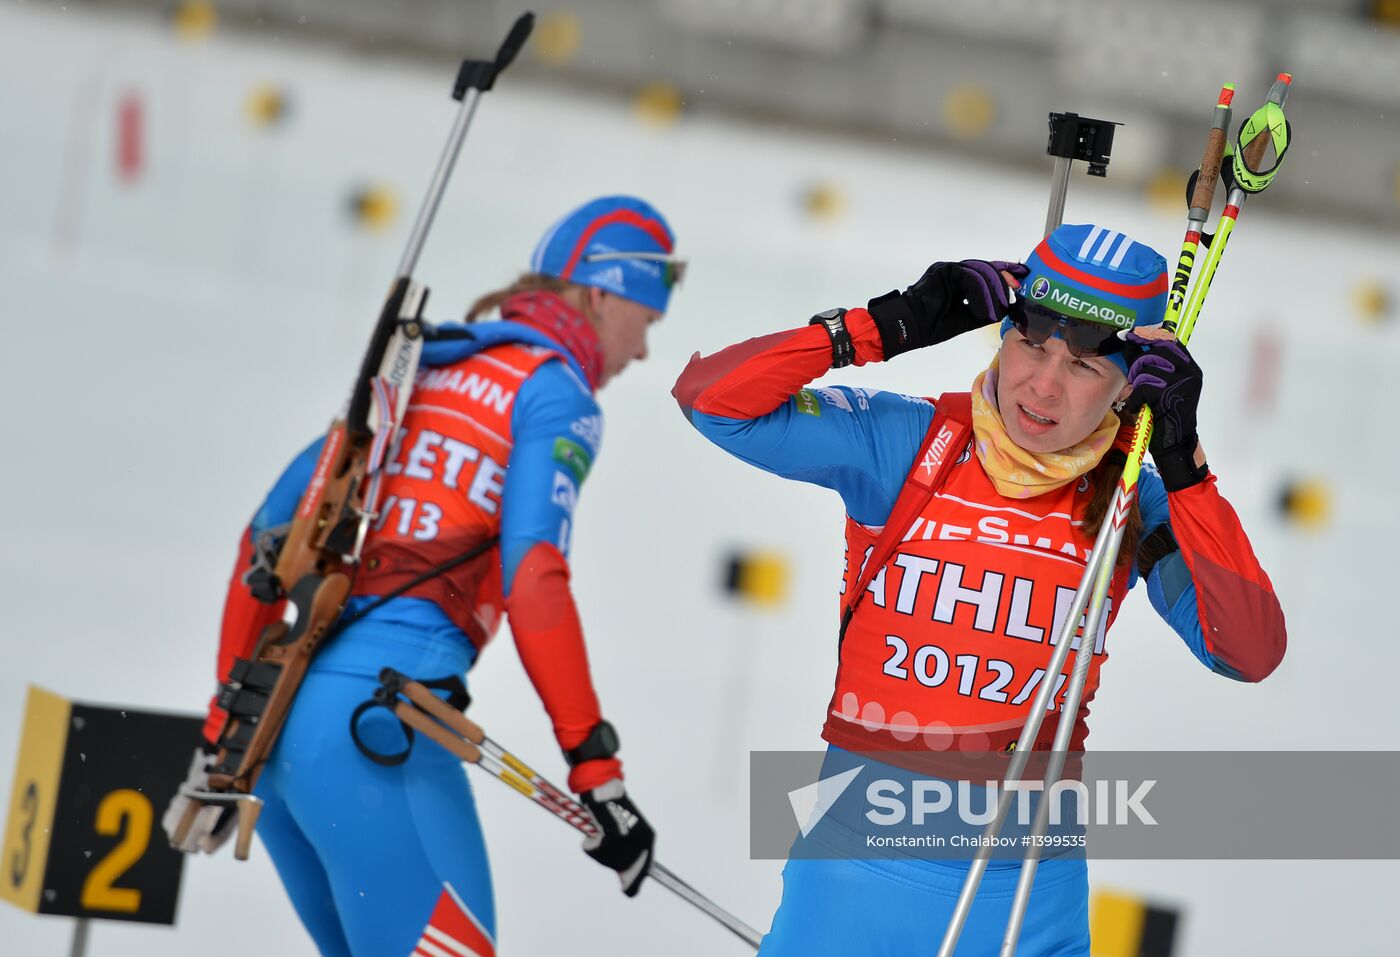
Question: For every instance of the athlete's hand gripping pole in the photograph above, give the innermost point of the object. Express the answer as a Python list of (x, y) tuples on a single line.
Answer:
[(428, 714), (1098, 573), (318, 558)]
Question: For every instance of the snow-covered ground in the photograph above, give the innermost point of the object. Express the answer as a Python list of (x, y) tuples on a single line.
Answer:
[(171, 342)]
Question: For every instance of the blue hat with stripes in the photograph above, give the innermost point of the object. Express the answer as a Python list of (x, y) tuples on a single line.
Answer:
[(620, 244), (1096, 274)]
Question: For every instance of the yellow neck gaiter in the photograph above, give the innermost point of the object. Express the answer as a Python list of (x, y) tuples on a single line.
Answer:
[(1016, 472)]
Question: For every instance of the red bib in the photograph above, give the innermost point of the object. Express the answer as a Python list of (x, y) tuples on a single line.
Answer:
[(949, 645), (442, 490)]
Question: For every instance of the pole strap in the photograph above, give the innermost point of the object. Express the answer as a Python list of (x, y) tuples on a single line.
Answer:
[(386, 696), (1268, 120)]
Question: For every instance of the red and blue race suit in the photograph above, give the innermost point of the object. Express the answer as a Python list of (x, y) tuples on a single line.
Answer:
[(951, 640), (380, 859)]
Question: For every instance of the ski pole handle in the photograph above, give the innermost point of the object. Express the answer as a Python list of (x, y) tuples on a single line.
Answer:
[(1268, 125), (1254, 149), (1202, 197), (1204, 192), (431, 703)]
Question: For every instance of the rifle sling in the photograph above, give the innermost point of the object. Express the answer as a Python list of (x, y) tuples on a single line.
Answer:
[(479, 549), (948, 435)]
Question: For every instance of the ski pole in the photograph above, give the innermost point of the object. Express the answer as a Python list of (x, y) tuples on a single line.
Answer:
[(1098, 572), (1247, 154), (1202, 196), (429, 714), (1244, 160)]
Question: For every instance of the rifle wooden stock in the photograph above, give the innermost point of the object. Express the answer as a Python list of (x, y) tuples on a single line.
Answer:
[(314, 571), (318, 601), (314, 568)]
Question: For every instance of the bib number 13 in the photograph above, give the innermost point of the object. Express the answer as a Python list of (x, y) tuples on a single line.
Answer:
[(411, 518)]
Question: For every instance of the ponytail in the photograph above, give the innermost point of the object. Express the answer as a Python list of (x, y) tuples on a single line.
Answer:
[(529, 282)]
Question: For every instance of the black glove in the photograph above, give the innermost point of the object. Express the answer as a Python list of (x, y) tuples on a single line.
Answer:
[(625, 840), (1167, 380), (948, 300)]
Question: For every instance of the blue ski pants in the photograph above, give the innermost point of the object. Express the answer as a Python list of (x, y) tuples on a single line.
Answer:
[(365, 850), (840, 899)]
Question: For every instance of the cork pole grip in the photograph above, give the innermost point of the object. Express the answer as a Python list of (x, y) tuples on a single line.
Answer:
[(444, 712), (422, 723), (1255, 149), (1204, 193)]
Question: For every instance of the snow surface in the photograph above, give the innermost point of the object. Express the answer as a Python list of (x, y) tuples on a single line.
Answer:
[(170, 343)]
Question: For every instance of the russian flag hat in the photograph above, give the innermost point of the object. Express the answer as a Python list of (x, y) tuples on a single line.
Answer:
[(1097, 275), (584, 247)]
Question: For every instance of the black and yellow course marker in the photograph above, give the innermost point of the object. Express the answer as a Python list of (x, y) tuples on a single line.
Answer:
[(267, 106), (823, 201), (759, 577), (373, 207), (1122, 925), (83, 835), (1306, 503)]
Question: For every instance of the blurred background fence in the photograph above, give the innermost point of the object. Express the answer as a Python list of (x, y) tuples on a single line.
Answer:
[(942, 72)]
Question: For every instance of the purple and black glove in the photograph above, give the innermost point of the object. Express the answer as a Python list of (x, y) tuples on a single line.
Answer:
[(1167, 380), (948, 300)]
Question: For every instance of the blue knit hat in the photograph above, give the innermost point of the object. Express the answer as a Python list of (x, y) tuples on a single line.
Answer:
[(620, 244), (1097, 275)]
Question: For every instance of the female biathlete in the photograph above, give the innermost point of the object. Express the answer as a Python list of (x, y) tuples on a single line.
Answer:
[(944, 650), (501, 431)]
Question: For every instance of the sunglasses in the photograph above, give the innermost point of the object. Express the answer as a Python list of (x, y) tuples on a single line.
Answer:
[(1081, 338), (672, 269)]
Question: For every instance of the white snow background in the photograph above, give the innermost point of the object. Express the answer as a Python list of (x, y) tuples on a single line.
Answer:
[(199, 326)]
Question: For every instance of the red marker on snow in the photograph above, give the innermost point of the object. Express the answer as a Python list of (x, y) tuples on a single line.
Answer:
[(131, 152), (1265, 359)]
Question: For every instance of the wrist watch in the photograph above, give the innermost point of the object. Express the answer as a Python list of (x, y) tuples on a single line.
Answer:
[(601, 742), (843, 350)]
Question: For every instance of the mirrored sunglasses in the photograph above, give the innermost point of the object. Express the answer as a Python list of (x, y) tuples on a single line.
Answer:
[(672, 269), (1081, 338)]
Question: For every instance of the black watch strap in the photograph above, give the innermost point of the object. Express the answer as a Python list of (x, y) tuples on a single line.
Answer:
[(601, 742), (1177, 466), (843, 350)]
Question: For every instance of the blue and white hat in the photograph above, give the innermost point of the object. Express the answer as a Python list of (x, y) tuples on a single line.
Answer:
[(1097, 275), (620, 244)]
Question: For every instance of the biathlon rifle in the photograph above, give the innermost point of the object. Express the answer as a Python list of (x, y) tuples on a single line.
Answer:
[(316, 564)]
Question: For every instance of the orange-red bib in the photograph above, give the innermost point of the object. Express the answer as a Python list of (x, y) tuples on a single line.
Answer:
[(441, 495), (950, 643)]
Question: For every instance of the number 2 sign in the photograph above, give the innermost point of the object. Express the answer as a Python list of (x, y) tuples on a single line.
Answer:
[(81, 838)]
